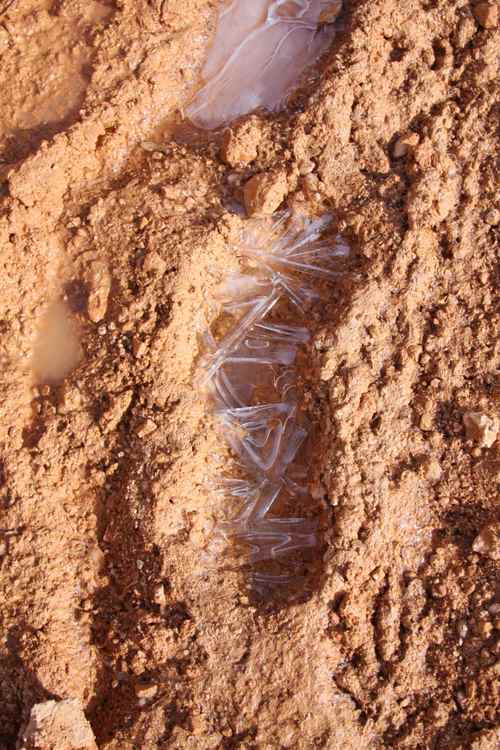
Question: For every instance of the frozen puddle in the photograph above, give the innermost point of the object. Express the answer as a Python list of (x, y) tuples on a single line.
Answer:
[(57, 349), (250, 372), (260, 50)]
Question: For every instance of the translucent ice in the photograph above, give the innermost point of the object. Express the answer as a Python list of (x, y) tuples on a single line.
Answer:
[(285, 255), (250, 374), (259, 52)]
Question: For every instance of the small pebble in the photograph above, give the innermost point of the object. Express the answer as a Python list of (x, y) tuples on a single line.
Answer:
[(432, 470), (485, 628), (264, 193), (146, 427), (493, 217), (480, 428), (426, 422), (146, 691), (486, 14), (405, 144), (99, 282), (487, 542)]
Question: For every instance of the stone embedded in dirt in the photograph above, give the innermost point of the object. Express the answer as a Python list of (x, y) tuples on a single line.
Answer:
[(146, 427), (117, 408), (70, 398), (405, 144), (487, 541), (146, 691), (264, 193), (480, 428), (240, 144), (432, 470), (99, 281), (57, 725), (426, 421), (486, 14), (493, 217)]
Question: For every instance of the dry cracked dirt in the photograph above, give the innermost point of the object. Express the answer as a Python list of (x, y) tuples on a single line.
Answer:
[(115, 223)]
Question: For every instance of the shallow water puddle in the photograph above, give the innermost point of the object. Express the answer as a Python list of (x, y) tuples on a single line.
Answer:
[(57, 349), (260, 50)]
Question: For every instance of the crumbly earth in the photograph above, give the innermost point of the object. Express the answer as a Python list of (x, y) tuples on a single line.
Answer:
[(105, 594)]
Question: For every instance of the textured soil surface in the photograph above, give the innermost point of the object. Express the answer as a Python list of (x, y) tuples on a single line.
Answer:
[(114, 227)]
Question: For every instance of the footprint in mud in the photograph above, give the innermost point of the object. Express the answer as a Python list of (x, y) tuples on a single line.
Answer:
[(269, 526), (260, 50)]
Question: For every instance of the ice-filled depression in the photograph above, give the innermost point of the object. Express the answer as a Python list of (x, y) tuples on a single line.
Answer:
[(267, 521), (259, 52)]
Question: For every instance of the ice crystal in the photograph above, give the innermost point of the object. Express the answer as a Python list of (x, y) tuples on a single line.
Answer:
[(260, 50), (250, 376)]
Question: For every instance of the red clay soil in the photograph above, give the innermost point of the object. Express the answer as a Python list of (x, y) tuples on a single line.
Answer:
[(105, 455)]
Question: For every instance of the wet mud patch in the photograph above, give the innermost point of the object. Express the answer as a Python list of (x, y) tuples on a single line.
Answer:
[(48, 50)]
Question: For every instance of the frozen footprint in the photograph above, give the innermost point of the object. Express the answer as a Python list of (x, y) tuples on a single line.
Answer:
[(265, 437), (260, 50)]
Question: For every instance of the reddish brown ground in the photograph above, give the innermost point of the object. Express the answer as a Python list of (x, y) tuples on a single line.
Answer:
[(104, 512)]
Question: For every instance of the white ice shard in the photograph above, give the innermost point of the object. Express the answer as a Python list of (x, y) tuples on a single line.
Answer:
[(250, 374), (260, 50)]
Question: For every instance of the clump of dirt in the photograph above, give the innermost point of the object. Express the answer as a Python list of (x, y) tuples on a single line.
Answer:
[(105, 510)]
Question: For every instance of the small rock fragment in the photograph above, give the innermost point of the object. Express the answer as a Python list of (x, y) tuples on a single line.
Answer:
[(70, 398), (480, 428), (241, 142), (493, 217), (57, 725), (432, 470), (146, 691), (264, 193), (487, 541), (99, 281), (426, 422), (154, 263), (465, 31), (486, 14), (146, 427), (118, 407), (405, 144), (484, 628)]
